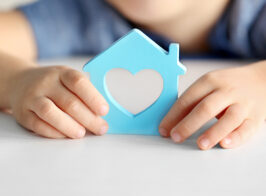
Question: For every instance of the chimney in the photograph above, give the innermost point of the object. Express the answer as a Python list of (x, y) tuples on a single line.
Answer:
[(174, 51), (174, 56)]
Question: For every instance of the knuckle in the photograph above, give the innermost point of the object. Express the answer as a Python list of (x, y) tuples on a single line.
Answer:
[(77, 81), (234, 112), (56, 69), (60, 67), (45, 108), (74, 77), (72, 105), (182, 103), (51, 71), (209, 77), (205, 108), (45, 79), (215, 78)]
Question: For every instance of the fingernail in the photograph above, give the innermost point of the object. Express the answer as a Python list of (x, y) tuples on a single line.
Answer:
[(204, 143), (104, 110), (227, 141), (163, 131), (176, 137), (81, 133), (103, 130)]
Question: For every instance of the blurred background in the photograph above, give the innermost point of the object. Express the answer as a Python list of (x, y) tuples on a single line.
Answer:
[(9, 4)]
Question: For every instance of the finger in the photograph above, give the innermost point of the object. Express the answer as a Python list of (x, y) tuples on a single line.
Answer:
[(50, 113), (73, 106), (232, 118), (187, 101), (208, 108), (38, 126), (240, 135), (83, 88)]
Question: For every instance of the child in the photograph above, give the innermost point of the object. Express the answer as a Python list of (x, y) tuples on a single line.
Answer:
[(58, 102)]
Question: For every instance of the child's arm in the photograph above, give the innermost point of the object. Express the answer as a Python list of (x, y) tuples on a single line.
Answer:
[(237, 97), (53, 102), (16, 36)]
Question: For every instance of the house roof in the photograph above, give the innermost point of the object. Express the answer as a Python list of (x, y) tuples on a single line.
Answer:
[(138, 47)]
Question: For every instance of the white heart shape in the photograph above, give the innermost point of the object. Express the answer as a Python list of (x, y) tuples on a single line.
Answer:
[(135, 93)]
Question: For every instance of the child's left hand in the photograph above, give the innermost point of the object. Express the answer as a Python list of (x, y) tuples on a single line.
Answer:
[(236, 96)]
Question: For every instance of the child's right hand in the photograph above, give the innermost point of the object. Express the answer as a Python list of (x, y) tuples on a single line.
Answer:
[(57, 102)]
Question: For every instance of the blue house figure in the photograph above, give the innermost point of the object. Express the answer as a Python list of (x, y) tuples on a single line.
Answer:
[(135, 52)]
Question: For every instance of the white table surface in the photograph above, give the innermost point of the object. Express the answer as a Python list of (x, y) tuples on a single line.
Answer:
[(128, 164)]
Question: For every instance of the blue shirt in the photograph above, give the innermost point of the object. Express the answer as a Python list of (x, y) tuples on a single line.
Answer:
[(77, 27)]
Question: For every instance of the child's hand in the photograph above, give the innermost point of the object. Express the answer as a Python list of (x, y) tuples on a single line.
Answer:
[(237, 97), (57, 102)]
